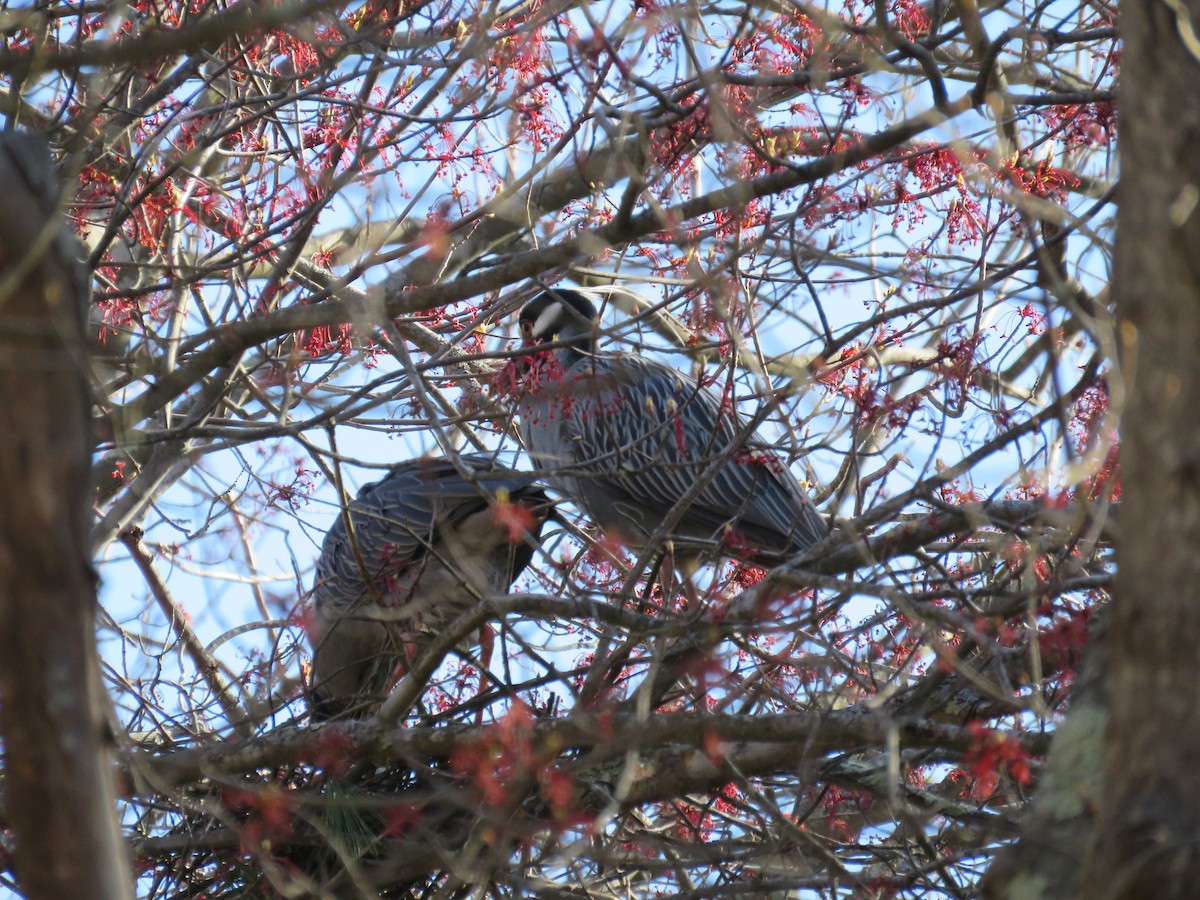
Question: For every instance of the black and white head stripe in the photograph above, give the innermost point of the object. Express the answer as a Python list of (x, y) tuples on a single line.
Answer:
[(557, 313)]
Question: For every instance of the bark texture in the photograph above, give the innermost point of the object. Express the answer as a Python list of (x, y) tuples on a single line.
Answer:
[(1047, 862), (1148, 835), (60, 796)]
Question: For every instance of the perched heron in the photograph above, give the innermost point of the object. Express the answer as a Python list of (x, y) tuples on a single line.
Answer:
[(422, 547), (631, 439)]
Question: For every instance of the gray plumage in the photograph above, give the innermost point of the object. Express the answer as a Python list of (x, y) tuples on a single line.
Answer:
[(428, 543), (628, 438)]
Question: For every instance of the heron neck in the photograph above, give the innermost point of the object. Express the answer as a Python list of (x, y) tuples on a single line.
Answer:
[(579, 341)]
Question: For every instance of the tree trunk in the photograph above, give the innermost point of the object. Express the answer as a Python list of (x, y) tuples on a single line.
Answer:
[(1148, 834), (61, 803), (1047, 862)]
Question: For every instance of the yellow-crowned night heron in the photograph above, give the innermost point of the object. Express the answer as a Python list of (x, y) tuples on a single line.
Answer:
[(428, 542), (630, 439)]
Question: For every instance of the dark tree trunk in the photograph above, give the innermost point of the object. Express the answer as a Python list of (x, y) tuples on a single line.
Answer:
[(1047, 862), (60, 796), (1148, 833)]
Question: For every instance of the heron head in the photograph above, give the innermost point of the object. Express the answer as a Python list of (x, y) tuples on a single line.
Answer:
[(558, 315)]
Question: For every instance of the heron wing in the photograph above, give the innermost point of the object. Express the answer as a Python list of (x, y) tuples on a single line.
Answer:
[(399, 519), (652, 433)]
